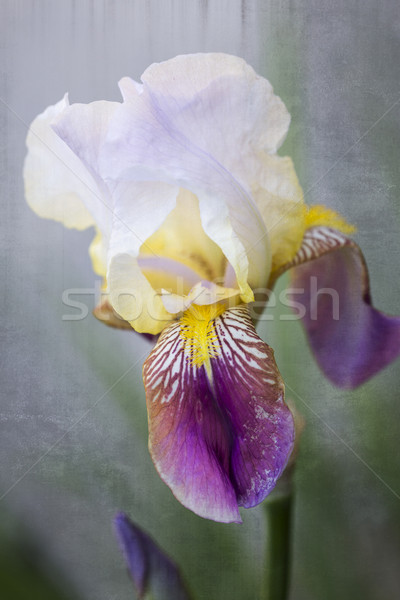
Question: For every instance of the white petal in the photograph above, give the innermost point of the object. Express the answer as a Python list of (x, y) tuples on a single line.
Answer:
[(55, 180), (140, 209), (150, 141), (220, 103), (83, 128), (225, 108)]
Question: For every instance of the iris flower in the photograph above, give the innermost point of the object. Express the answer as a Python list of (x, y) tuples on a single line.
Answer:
[(195, 214)]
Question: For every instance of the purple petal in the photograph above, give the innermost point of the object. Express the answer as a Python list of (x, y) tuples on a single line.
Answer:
[(218, 440), (250, 390), (151, 569), (352, 341)]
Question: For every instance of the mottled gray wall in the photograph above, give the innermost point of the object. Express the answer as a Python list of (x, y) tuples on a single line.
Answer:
[(73, 422)]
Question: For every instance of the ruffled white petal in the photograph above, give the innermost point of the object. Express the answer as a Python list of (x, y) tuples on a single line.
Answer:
[(220, 103), (83, 127), (61, 182), (56, 182), (145, 143)]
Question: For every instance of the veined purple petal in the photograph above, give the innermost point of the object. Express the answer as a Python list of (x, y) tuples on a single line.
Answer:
[(219, 438), (151, 569), (250, 390), (352, 341)]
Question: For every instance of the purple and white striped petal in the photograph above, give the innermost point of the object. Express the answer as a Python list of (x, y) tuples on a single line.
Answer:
[(219, 435), (352, 341)]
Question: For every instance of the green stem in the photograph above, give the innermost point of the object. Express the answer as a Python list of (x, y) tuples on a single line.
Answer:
[(278, 511)]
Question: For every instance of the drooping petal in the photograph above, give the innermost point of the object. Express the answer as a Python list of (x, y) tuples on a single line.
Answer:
[(152, 571), (249, 386), (219, 432), (352, 341)]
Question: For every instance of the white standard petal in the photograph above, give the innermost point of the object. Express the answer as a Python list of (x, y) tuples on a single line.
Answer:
[(83, 127), (220, 103), (140, 209), (55, 180), (144, 144)]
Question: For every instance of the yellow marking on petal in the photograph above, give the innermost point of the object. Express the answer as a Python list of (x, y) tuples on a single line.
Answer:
[(96, 253), (286, 232), (198, 333), (319, 215), (246, 294), (182, 238)]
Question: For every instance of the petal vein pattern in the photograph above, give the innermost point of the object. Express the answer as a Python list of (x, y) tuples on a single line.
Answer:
[(317, 241), (351, 340), (219, 440)]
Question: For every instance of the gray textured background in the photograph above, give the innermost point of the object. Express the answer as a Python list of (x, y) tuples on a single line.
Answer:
[(73, 422)]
